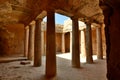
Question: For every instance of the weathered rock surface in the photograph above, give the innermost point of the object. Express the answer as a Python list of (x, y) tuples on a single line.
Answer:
[(24, 11), (11, 39)]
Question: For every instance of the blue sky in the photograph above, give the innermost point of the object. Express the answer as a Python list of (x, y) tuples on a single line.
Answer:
[(59, 19)]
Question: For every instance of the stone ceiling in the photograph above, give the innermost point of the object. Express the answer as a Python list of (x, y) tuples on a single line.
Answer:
[(24, 11)]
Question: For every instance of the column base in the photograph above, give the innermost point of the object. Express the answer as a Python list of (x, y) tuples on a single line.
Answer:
[(74, 66), (50, 78)]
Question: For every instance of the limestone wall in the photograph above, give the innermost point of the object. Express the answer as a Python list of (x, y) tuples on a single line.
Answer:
[(12, 39), (58, 42), (113, 43)]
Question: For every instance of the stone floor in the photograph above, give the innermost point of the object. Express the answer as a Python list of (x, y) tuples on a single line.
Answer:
[(16, 71)]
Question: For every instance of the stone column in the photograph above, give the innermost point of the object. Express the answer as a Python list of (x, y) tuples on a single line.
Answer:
[(26, 38), (83, 52), (63, 43), (70, 42), (88, 40), (42, 43), (37, 54), (45, 42), (99, 43), (79, 40), (31, 42), (75, 43), (50, 45)]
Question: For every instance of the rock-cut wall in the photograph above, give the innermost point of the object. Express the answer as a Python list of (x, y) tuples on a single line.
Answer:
[(111, 13), (11, 40)]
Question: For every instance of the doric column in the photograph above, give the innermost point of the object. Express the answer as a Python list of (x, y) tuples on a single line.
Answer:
[(70, 42), (31, 42), (79, 40), (75, 43), (83, 52), (50, 45), (63, 42), (42, 43), (44, 32), (89, 51), (99, 43), (26, 38), (37, 54)]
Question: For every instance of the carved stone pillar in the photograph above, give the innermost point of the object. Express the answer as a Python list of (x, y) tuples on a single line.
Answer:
[(99, 43), (42, 43), (83, 51), (79, 40), (88, 40), (31, 42), (63, 42), (37, 54), (50, 45), (75, 43), (26, 38), (70, 42)]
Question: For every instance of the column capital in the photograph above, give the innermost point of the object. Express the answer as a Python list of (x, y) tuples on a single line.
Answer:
[(74, 18), (26, 27), (82, 29), (88, 23), (39, 19), (50, 9), (31, 25), (102, 25)]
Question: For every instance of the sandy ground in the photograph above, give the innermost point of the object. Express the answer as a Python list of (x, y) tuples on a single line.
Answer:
[(16, 71)]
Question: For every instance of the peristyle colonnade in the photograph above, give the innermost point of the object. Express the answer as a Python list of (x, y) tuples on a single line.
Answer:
[(34, 43)]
